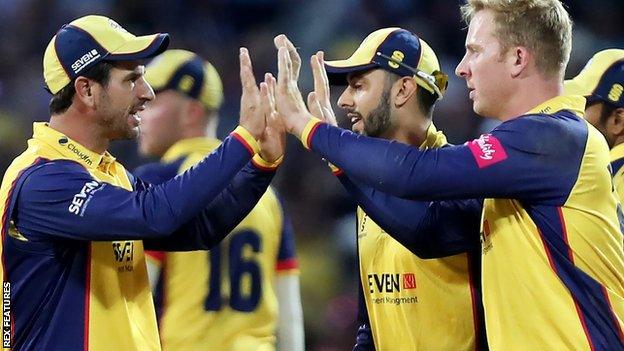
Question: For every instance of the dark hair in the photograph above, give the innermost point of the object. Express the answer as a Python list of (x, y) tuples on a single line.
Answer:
[(425, 99), (606, 111), (99, 73)]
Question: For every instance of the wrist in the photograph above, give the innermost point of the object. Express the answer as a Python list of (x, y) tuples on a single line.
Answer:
[(266, 165), (246, 138), (306, 131)]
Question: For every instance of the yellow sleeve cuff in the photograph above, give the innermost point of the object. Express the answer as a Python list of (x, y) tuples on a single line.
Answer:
[(308, 131), (247, 139), (259, 162)]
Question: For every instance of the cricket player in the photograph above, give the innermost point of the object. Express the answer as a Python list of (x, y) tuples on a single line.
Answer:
[(552, 256), (602, 84), (244, 291), (75, 223), (403, 296)]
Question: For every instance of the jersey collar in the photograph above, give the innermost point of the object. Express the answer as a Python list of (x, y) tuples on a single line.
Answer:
[(434, 138), (71, 149), (617, 152), (186, 146), (574, 103)]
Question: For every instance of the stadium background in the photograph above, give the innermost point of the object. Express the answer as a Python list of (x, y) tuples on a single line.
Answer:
[(323, 215)]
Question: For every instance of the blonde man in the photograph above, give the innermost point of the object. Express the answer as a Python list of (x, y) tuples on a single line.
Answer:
[(552, 256), (245, 291)]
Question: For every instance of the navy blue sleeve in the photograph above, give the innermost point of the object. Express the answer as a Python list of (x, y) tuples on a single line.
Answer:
[(223, 214), (427, 229), (158, 172), (534, 158), (61, 199)]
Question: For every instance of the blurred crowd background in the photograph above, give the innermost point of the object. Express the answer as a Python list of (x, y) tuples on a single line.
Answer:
[(322, 213)]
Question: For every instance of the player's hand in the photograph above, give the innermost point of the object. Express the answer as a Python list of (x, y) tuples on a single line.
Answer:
[(251, 113), (273, 140), (288, 101), (283, 41), (319, 100)]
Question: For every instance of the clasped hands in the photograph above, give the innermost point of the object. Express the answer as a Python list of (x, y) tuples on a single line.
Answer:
[(276, 106)]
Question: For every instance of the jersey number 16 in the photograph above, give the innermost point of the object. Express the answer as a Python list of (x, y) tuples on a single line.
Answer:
[(238, 267)]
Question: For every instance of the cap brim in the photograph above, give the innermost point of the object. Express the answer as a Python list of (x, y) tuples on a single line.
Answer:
[(338, 70), (140, 48), (575, 87)]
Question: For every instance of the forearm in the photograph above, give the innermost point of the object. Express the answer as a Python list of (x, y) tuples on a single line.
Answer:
[(223, 214), (290, 334), (428, 229), (60, 198)]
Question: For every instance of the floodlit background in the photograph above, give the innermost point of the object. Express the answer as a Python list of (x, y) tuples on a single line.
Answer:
[(322, 213)]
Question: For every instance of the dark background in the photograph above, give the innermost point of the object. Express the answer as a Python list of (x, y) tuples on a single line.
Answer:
[(322, 213)]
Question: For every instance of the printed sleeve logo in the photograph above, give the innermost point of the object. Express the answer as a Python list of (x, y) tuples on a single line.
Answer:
[(81, 200), (487, 150)]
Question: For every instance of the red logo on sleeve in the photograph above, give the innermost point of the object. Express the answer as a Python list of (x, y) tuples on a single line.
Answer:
[(487, 150)]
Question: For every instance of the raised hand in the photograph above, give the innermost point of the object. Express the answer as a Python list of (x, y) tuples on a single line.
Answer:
[(283, 41), (319, 100), (273, 140), (288, 101), (251, 114)]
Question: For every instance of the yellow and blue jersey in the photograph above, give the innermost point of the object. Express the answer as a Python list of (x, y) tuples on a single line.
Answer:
[(617, 161), (74, 228), (223, 299), (406, 295), (552, 256)]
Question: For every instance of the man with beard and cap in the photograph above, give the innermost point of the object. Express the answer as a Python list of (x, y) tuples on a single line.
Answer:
[(75, 223), (401, 295)]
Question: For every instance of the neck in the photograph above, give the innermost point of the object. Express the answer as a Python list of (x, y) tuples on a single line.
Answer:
[(75, 126), (202, 130), (409, 128), (534, 91)]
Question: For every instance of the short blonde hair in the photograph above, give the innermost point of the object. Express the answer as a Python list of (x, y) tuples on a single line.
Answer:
[(542, 26)]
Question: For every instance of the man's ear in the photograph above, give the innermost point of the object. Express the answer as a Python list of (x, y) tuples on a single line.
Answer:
[(404, 88), (195, 113), (519, 58), (86, 91), (616, 122)]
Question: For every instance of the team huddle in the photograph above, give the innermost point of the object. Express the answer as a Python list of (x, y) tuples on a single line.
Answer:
[(512, 241)]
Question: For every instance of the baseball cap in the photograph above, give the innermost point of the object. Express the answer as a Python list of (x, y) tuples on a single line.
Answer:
[(187, 73), (396, 50), (81, 44), (602, 78)]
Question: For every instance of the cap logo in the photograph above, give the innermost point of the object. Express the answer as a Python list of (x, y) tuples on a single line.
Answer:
[(86, 59), (186, 83), (616, 92), (397, 56), (116, 26)]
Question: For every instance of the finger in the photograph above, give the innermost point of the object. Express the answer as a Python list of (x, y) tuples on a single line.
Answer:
[(247, 78), (294, 56), (283, 69), (279, 41), (314, 107), (321, 60), (265, 98), (269, 81), (319, 83)]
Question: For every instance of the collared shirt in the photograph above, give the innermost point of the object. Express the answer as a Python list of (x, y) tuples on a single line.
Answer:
[(204, 300), (617, 161), (74, 224), (414, 303), (552, 256)]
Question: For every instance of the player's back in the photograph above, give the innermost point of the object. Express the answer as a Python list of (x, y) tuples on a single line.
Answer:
[(223, 299)]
